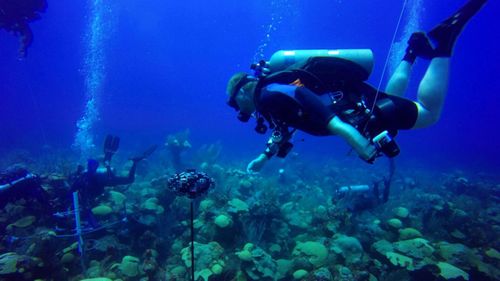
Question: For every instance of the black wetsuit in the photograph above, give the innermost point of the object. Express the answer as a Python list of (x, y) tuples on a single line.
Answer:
[(301, 108), (91, 185), (19, 183)]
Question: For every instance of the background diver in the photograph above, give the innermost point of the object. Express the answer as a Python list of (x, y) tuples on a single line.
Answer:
[(91, 182), (326, 95), (15, 16)]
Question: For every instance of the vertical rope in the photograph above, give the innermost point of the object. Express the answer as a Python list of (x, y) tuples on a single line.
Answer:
[(387, 59)]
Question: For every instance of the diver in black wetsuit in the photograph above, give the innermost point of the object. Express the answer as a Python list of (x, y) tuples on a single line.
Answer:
[(15, 16), (91, 182), (326, 95), (18, 183)]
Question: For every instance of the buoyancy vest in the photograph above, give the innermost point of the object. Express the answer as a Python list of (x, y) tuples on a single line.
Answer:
[(338, 82)]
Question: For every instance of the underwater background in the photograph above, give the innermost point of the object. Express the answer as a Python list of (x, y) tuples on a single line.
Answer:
[(149, 70)]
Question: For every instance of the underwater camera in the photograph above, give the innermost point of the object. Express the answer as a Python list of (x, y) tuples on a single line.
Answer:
[(284, 149), (190, 183), (386, 144)]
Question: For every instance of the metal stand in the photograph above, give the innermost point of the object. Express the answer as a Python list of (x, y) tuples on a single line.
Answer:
[(78, 228), (192, 241)]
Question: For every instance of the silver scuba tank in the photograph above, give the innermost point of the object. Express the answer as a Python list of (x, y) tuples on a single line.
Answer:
[(284, 58), (348, 189)]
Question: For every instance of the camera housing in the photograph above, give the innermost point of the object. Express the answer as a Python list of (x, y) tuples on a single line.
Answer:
[(386, 144)]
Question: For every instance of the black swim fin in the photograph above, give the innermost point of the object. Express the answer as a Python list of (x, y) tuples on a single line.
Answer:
[(145, 154), (446, 33), (111, 144), (418, 46)]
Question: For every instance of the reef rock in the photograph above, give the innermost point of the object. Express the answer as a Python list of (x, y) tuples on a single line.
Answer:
[(456, 254), (417, 248), (223, 221), (299, 274), (492, 253), (129, 266), (208, 259), (296, 216), (322, 274), (11, 263), (400, 260), (284, 267), (206, 205), (102, 210), (409, 233), (450, 272), (381, 247), (22, 222), (315, 252), (117, 197), (246, 253), (348, 247), (261, 266), (401, 212), (395, 223), (8, 263), (237, 206), (152, 205)]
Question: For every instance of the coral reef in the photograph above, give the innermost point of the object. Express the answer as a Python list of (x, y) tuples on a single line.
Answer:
[(284, 225)]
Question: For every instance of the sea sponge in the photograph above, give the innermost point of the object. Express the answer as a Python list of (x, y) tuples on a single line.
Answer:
[(117, 197), (409, 233), (102, 210), (152, 205), (401, 212), (236, 205), (244, 255), (223, 221), (206, 205), (249, 247), (299, 274), (284, 266), (492, 253), (395, 223), (129, 266), (67, 258), (217, 269), (178, 271)]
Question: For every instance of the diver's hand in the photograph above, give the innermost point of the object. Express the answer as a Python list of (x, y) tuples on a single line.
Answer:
[(368, 153), (257, 164)]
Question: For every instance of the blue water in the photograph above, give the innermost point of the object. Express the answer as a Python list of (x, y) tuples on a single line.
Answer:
[(165, 67)]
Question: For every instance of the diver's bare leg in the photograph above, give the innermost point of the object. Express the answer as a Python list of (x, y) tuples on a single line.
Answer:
[(433, 87), (432, 92), (398, 83)]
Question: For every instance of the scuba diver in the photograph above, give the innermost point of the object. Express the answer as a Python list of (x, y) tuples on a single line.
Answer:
[(323, 92), (91, 182), (361, 197), (17, 182), (15, 16)]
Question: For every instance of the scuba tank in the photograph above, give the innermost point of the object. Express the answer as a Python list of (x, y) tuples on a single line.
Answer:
[(344, 190), (282, 59)]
